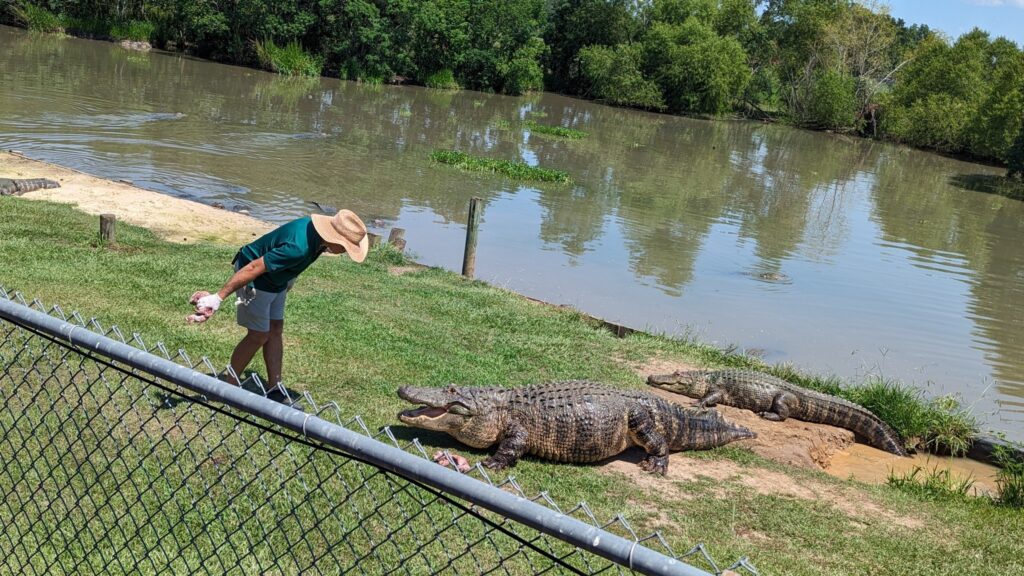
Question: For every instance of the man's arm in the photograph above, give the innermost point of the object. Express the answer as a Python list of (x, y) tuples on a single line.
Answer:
[(245, 274)]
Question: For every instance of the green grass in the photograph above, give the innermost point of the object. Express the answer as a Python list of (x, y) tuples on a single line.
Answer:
[(514, 170), (561, 132), (290, 59), (354, 333)]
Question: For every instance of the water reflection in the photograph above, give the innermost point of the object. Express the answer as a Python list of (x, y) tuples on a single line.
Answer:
[(836, 254)]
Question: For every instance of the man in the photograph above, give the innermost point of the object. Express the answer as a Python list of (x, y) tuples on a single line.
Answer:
[(264, 272)]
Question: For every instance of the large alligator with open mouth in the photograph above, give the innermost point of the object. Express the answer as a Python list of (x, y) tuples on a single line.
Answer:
[(576, 421)]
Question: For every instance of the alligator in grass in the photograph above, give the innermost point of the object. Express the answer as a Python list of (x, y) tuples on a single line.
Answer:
[(775, 399), (576, 421), (14, 186)]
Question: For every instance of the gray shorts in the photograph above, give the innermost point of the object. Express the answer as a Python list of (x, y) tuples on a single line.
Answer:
[(257, 308)]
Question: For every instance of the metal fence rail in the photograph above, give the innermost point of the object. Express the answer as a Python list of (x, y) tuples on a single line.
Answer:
[(118, 457)]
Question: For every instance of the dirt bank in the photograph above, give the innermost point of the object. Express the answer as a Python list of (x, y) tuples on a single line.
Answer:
[(174, 219)]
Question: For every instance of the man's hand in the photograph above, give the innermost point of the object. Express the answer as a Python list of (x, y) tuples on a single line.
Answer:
[(206, 304), (211, 301)]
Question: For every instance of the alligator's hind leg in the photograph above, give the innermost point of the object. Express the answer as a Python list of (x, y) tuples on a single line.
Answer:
[(512, 447), (782, 405), (645, 433)]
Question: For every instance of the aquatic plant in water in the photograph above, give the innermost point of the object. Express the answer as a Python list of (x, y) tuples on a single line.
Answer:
[(515, 170), (559, 131)]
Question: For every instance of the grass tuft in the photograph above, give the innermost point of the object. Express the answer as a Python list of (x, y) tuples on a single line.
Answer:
[(934, 484), (1010, 478), (290, 59), (561, 132), (515, 170)]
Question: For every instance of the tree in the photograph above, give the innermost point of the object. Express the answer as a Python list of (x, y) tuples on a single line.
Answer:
[(576, 24), (696, 69)]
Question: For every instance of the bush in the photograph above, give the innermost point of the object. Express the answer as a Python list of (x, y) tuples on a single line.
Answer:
[(290, 60), (833, 102), (36, 18), (614, 76), (937, 121), (442, 79)]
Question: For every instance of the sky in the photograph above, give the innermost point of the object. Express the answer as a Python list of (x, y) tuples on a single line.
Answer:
[(956, 17)]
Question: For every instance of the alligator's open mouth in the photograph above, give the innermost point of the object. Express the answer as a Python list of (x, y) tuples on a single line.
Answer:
[(424, 412)]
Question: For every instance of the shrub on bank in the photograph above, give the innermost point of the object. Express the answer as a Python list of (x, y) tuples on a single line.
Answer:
[(36, 18), (290, 59)]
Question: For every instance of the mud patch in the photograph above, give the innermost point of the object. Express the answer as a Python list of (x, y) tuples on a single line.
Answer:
[(725, 474)]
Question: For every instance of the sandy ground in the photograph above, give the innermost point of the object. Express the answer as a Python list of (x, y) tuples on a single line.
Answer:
[(174, 219)]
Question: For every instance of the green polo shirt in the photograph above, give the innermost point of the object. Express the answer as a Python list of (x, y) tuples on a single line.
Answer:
[(286, 252)]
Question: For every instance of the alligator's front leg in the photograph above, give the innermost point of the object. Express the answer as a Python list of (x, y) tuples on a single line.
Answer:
[(512, 447), (713, 397), (782, 405), (643, 430)]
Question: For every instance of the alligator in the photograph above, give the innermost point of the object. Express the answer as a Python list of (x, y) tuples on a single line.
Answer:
[(13, 186), (775, 399), (575, 421)]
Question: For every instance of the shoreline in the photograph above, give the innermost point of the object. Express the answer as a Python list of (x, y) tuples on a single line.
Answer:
[(182, 221), (173, 219)]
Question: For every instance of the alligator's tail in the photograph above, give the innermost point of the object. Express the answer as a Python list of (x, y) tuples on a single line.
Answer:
[(693, 429), (836, 412), (12, 186)]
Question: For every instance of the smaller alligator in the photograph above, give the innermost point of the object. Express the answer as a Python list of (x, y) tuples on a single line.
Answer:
[(775, 399), (575, 421), (13, 187)]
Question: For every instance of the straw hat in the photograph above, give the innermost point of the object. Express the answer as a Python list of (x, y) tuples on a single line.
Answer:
[(346, 229)]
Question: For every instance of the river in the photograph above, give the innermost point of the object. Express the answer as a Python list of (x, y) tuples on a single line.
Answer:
[(839, 255)]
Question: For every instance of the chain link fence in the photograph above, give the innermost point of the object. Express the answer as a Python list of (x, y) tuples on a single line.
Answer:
[(121, 457)]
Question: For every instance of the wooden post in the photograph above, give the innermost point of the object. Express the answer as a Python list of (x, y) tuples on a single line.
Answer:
[(374, 239), (472, 224), (108, 223), (397, 238)]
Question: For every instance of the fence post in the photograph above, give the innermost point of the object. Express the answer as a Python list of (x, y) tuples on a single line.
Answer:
[(469, 257), (108, 223)]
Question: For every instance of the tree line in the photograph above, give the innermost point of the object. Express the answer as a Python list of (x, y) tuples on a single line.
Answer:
[(835, 65)]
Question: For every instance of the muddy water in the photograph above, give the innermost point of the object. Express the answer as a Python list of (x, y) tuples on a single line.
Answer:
[(867, 464), (838, 255)]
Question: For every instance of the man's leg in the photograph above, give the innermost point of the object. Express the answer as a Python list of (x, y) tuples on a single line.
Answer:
[(246, 349), (273, 352)]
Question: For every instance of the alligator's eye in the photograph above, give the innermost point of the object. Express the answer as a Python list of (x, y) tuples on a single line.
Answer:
[(459, 409)]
